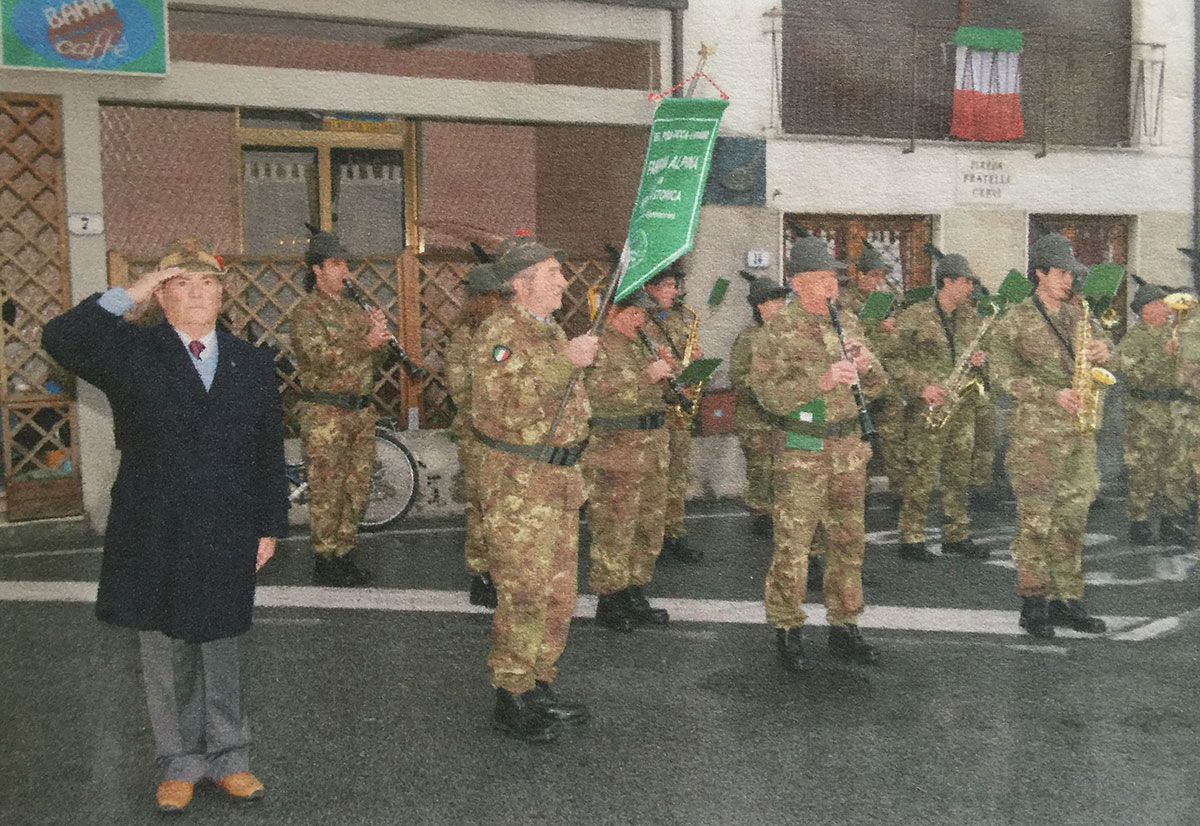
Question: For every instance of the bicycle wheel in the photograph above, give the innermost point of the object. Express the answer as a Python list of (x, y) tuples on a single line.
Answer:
[(393, 483)]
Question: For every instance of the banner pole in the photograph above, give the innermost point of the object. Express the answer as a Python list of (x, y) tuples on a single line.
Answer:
[(597, 327)]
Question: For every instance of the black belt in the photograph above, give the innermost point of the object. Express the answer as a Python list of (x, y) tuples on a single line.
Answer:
[(347, 401), (833, 430), (560, 456), (646, 421)]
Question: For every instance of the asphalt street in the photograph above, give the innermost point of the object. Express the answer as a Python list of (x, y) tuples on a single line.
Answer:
[(373, 706)]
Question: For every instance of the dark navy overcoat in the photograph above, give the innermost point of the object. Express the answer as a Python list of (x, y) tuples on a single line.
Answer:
[(201, 476)]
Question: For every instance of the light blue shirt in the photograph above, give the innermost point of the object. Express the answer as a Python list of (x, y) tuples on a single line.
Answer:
[(117, 301)]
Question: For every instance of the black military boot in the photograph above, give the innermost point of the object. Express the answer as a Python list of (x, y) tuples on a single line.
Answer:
[(551, 707), (518, 715), (1070, 613), (816, 573), (354, 576), (791, 649), (761, 525), (1174, 530), (965, 548), (612, 612), (676, 547), (1140, 533), (1035, 617), (846, 642), (338, 572), (483, 591), (641, 610), (915, 552)]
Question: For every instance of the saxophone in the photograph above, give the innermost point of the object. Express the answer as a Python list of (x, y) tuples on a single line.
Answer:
[(689, 347), (1087, 381), (961, 381)]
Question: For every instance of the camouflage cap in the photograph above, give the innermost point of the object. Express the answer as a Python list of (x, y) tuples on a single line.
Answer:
[(517, 253), (765, 289), (810, 254), (953, 265), (1054, 250), (872, 259), (323, 245), (482, 279), (192, 255), (1145, 294)]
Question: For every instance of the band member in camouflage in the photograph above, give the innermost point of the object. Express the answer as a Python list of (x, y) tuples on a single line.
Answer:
[(1157, 420), (671, 326), (802, 378), (338, 346), (530, 487), (766, 299), (930, 337), (485, 293), (625, 466), (1050, 463)]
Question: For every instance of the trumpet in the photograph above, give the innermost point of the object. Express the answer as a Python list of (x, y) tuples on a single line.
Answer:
[(414, 370)]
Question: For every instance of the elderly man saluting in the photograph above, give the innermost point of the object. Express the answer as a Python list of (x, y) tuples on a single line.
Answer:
[(199, 498)]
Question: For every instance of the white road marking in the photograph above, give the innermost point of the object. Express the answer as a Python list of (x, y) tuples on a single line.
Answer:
[(743, 612)]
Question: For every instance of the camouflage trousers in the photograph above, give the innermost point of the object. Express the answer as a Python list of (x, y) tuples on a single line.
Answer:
[(756, 447), (625, 471), (1156, 459), (1055, 479), (470, 454), (813, 489), (942, 458), (531, 520), (339, 449), (888, 418), (677, 480), (983, 460)]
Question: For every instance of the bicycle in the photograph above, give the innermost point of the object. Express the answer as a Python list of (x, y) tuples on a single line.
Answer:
[(393, 487)]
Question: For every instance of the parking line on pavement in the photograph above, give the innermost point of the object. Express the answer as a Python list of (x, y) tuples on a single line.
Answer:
[(743, 612)]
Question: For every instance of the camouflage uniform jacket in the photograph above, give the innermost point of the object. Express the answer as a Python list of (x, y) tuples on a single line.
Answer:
[(1032, 365), (677, 324), (520, 372), (793, 352), (458, 378), (1140, 359), (750, 418), (616, 382), (329, 337), (920, 353)]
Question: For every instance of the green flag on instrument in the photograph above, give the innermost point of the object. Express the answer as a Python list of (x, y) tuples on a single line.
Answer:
[(698, 371), (877, 305)]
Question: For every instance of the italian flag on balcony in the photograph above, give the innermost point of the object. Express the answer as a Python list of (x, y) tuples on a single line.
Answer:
[(987, 85)]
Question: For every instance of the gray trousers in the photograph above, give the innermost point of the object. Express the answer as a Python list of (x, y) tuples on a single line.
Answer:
[(194, 691)]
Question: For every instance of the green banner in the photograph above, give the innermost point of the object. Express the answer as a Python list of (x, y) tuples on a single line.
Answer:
[(663, 224), (127, 36)]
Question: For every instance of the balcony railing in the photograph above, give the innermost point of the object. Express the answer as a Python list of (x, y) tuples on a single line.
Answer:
[(877, 79)]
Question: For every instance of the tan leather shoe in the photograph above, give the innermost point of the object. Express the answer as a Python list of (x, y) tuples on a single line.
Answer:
[(174, 795), (242, 786)]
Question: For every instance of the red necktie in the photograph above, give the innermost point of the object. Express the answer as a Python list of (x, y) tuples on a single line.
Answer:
[(197, 347)]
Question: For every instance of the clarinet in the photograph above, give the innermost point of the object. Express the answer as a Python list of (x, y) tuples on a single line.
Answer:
[(685, 404), (414, 370), (864, 416)]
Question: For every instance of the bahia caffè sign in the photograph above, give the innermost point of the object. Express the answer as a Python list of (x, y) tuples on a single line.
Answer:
[(127, 36)]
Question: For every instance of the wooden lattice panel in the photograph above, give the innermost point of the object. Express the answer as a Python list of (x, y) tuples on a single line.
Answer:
[(36, 413)]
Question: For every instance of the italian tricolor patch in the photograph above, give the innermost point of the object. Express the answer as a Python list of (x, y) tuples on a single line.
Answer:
[(500, 354)]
